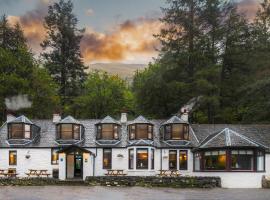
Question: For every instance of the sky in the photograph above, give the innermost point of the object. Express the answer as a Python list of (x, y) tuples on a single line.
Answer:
[(116, 30)]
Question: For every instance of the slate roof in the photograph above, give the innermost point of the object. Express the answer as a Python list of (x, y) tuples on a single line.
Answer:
[(175, 120), (69, 120), (199, 134), (109, 120), (228, 138), (21, 119), (140, 120)]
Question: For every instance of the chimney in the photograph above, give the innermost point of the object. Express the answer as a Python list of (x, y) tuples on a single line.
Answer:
[(56, 118), (10, 117), (123, 119), (184, 115)]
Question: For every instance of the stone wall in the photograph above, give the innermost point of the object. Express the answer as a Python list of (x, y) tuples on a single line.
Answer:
[(153, 181)]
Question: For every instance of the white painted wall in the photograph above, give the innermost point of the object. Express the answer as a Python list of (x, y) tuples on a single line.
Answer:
[(87, 165), (40, 158), (62, 166)]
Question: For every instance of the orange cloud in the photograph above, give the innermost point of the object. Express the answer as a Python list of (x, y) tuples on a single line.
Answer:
[(129, 41), (249, 8), (32, 25)]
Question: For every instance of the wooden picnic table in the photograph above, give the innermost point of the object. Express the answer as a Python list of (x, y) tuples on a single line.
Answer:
[(38, 172), (115, 172), (11, 172), (171, 173)]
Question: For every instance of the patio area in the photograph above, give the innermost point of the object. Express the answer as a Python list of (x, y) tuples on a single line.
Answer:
[(121, 193)]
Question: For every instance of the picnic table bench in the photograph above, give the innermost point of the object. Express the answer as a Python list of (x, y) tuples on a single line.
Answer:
[(37, 173), (170, 173), (11, 172), (115, 172)]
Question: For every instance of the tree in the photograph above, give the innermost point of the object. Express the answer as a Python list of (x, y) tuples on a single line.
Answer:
[(102, 95), (62, 56)]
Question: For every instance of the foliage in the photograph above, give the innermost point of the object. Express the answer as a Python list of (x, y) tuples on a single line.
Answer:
[(62, 56), (103, 94)]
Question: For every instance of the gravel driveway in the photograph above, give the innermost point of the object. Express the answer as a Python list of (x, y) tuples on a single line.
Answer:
[(132, 193)]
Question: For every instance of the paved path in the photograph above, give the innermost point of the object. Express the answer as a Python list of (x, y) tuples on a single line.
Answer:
[(133, 193)]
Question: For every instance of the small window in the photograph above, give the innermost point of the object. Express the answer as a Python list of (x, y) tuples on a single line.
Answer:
[(12, 157), (131, 158), (77, 132), (54, 157), (173, 159), (69, 131), (108, 132), (176, 132), (132, 130), (260, 161), (107, 158), (142, 159), (152, 159), (183, 160), (141, 131), (27, 131), (197, 164)]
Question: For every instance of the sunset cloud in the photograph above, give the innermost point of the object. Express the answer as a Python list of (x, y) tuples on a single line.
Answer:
[(249, 8), (32, 25), (131, 40)]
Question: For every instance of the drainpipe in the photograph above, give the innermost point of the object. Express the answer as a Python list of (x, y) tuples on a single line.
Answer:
[(160, 159)]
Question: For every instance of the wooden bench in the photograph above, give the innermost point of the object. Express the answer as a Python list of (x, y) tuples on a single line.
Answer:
[(115, 172)]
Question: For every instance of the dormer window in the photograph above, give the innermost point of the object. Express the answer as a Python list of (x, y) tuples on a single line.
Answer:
[(141, 131), (19, 131), (108, 131), (176, 132), (69, 131)]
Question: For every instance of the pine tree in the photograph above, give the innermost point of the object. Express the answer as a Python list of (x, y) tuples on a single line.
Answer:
[(62, 56)]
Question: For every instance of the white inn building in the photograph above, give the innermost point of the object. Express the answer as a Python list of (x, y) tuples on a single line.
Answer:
[(70, 148)]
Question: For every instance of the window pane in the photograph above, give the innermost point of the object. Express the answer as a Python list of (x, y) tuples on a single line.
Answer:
[(13, 158), (132, 130), (242, 160), (54, 156), (197, 161), (107, 131), (177, 131), (215, 160), (168, 132), (141, 131), (27, 131), (131, 158), (107, 158), (116, 135), (66, 131), (183, 160), (17, 131), (150, 132), (152, 158), (142, 159), (76, 132), (186, 132), (260, 161), (172, 159)]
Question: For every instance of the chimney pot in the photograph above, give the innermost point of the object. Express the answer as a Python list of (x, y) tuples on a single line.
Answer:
[(56, 118), (123, 118)]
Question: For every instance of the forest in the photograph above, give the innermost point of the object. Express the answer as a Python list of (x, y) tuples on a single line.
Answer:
[(208, 51)]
